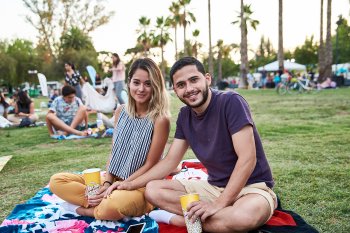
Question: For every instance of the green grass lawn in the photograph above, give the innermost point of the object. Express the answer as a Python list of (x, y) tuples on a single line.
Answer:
[(306, 138)]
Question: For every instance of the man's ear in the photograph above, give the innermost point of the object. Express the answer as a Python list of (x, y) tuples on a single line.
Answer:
[(208, 78)]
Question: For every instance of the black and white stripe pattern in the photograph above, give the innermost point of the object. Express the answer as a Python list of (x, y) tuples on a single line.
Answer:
[(132, 139)]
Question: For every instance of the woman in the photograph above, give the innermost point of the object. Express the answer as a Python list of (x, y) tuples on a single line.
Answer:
[(140, 134), (118, 77), (3, 105), (73, 78), (24, 111)]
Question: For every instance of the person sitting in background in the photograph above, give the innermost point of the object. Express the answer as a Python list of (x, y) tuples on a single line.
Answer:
[(66, 113), (3, 105), (24, 111), (98, 84), (12, 103), (54, 95)]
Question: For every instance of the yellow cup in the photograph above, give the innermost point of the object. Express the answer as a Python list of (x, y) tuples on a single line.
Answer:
[(185, 200), (92, 179)]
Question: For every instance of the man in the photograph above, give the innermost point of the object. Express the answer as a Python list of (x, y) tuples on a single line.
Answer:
[(66, 113), (219, 129)]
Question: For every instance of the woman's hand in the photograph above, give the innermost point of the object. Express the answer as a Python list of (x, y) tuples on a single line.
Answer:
[(111, 188), (96, 199)]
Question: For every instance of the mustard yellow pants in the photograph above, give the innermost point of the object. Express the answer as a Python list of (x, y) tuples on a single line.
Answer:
[(71, 188)]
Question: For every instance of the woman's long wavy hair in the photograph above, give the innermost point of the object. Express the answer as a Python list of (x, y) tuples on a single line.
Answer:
[(159, 103), (115, 63)]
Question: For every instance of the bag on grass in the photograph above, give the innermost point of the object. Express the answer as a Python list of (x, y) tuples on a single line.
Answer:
[(25, 122)]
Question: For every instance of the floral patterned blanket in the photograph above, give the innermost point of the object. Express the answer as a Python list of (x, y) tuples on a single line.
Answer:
[(43, 213)]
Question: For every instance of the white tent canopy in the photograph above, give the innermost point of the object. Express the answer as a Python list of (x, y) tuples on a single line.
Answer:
[(288, 65)]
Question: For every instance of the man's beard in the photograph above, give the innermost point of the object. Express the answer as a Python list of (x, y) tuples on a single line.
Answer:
[(205, 94)]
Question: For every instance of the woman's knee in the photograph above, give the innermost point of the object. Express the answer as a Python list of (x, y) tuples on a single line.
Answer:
[(55, 182), (122, 203)]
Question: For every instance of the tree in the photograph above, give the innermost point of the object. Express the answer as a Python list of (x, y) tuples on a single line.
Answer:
[(186, 17), (307, 53), (7, 65), (174, 21), (328, 50), (343, 47), (210, 61), (223, 52), (53, 18), (280, 36), (76, 46), (196, 45), (244, 18), (17, 58), (160, 38), (321, 49), (264, 54), (144, 37)]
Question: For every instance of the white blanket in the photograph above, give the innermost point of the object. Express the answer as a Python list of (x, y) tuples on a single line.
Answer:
[(98, 102)]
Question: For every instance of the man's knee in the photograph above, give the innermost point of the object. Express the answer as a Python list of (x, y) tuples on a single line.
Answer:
[(152, 191), (49, 116)]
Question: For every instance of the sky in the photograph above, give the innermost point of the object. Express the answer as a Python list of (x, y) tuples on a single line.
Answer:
[(301, 20)]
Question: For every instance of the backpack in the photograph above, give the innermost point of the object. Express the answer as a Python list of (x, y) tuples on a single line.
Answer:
[(25, 122)]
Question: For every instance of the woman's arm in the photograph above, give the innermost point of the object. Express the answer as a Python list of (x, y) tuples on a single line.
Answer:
[(159, 139), (31, 109)]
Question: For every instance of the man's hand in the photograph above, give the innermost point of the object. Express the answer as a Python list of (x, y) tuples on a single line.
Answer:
[(202, 209), (96, 199)]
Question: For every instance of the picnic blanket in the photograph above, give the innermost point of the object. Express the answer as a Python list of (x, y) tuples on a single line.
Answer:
[(282, 221), (43, 213), (73, 136)]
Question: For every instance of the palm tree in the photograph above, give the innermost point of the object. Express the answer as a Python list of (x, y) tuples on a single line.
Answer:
[(223, 51), (196, 45), (186, 17), (144, 37), (328, 50), (174, 20), (321, 52), (210, 60), (244, 18), (280, 36), (161, 37)]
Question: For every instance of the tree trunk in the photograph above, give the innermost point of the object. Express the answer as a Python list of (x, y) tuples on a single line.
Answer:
[(329, 51), (280, 36), (219, 66), (244, 51), (210, 60), (176, 56), (321, 53), (163, 62)]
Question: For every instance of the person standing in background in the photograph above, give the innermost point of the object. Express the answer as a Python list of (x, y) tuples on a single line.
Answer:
[(73, 78), (118, 77)]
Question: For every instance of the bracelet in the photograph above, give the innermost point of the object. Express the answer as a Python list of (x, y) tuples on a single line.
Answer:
[(110, 183)]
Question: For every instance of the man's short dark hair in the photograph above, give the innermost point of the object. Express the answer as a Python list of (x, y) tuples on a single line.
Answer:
[(68, 90), (185, 61)]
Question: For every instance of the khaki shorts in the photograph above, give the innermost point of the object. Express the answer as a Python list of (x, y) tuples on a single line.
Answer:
[(208, 192)]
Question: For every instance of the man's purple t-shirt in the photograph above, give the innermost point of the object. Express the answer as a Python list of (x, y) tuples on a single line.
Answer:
[(210, 137)]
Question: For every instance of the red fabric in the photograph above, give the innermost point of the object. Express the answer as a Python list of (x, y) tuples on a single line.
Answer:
[(195, 165), (166, 228), (280, 218)]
